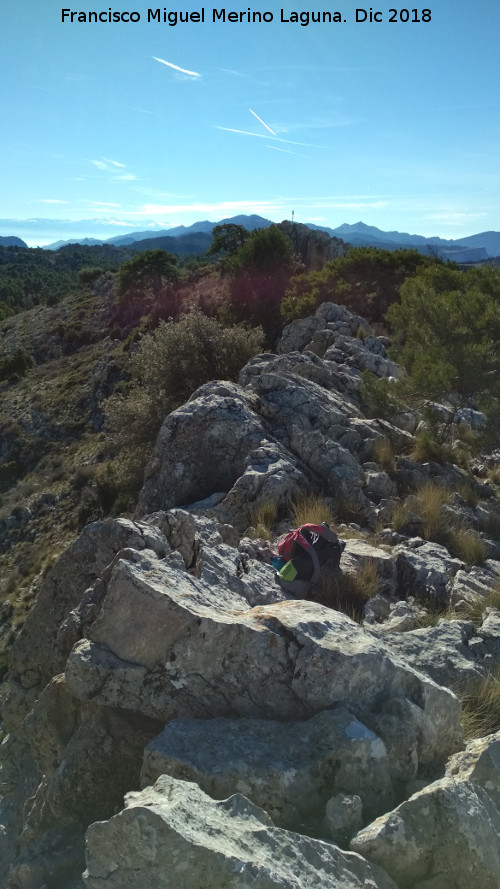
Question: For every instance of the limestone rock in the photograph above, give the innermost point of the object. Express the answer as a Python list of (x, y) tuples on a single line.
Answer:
[(217, 421), (290, 769), (445, 835), (425, 569), (343, 817), (441, 652), (173, 835), (34, 659), (152, 649), (479, 763), (358, 553)]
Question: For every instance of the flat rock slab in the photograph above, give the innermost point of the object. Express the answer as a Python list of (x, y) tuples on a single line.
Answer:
[(290, 769), (172, 836)]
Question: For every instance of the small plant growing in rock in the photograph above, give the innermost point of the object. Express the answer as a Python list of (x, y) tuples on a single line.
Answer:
[(348, 592), (426, 446), (428, 504), (349, 510), (311, 508), (474, 610), (263, 517), (383, 453), (400, 517), (467, 545), (481, 706)]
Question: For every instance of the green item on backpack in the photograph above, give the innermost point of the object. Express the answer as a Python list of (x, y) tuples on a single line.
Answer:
[(288, 572)]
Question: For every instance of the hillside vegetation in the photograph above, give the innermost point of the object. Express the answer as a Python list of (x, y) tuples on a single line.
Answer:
[(98, 344)]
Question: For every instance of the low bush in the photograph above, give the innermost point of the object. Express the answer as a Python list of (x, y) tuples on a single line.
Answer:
[(15, 364), (167, 367)]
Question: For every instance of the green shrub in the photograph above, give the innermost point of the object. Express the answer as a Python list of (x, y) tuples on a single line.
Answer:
[(379, 396), (259, 272), (167, 367), (15, 364), (446, 332), (366, 280)]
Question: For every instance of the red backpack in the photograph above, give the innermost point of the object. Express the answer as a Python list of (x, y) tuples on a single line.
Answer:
[(319, 543)]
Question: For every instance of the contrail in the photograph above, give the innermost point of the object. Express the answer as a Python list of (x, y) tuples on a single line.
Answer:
[(263, 136), (262, 122), (177, 68)]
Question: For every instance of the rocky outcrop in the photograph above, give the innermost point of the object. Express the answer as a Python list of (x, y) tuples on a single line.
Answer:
[(257, 736), (172, 834), (313, 247)]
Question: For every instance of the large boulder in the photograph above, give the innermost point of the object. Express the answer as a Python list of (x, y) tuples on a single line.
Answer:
[(445, 835), (479, 763), (34, 656), (290, 769), (168, 645), (173, 835), (442, 652), (219, 422), (425, 569)]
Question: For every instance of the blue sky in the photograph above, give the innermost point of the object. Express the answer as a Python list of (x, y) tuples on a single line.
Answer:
[(392, 123)]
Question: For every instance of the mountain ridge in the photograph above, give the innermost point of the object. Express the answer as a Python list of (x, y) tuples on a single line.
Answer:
[(473, 248)]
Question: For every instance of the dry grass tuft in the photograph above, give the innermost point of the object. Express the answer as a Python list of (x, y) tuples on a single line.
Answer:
[(263, 518), (430, 499), (474, 611), (311, 509), (383, 453), (348, 592), (467, 545), (481, 706)]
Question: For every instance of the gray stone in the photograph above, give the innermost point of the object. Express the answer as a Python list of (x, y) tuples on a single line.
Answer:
[(218, 420), (425, 569), (445, 835), (173, 835), (290, 769), (152, 649), (402, 617), (34, 659), (479, 763), (441, 652), (344, 817), (379, 485)]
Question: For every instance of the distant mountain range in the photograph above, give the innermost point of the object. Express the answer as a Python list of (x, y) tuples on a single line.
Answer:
[(197, 238), (11, 241)]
